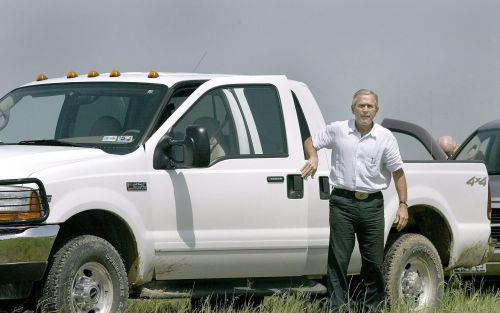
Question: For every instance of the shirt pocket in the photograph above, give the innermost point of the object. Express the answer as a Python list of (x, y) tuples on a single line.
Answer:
[(373, 165)]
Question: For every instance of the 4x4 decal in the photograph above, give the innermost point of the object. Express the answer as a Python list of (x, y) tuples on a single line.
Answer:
[(479, 180)]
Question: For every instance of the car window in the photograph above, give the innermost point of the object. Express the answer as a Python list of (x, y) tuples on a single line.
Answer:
[(212, 112), (262, 113), (411, 148), (240, 120), (179, 95), (88, 115), (483, 146), (109, 116), (47, 112)]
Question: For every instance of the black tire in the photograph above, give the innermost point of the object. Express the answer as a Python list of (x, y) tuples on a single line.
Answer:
[(413, 273), (11, 306), (86, 275)]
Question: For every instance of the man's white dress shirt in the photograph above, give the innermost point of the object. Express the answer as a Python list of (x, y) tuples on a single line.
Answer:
[(360, 163)]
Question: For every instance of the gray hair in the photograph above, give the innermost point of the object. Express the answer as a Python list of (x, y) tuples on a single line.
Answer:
[(367, 92)]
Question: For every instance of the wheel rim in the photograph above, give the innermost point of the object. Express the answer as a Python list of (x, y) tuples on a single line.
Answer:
[(416, 282), (92, 290)]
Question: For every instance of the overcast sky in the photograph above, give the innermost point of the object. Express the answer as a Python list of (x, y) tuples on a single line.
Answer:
[(434, 63)]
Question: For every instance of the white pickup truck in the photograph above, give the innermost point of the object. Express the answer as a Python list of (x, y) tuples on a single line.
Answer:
[(158, 184)]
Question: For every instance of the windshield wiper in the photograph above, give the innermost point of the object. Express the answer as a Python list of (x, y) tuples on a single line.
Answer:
[(49, 142)]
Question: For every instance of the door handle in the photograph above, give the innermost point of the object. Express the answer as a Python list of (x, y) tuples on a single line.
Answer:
[(324, 188), (295, 186)]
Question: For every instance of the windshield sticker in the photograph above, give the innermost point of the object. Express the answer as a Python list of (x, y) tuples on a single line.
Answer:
[(125, 138), (109, 138)]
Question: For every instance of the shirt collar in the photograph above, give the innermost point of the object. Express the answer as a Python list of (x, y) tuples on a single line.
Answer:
[(351, 124)]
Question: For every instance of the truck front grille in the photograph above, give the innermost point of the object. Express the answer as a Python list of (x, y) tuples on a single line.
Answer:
[(495, 223), (495, 216), (495, 234)]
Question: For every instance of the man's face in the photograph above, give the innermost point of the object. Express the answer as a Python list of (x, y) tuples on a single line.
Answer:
[(365, 110)]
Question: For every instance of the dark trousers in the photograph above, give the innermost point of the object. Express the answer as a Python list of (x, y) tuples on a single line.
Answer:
[(364, 218)]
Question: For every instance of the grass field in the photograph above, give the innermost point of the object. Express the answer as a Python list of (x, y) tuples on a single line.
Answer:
[(461, 296)]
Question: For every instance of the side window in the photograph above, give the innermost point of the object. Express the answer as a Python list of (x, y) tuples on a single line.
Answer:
[(239, 120), (484, 146), (261, 109), (212, 112), (475, 149), (178, 97), (410, 148)]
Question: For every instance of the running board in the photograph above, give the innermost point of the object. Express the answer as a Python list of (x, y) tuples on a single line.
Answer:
[(229, 287)]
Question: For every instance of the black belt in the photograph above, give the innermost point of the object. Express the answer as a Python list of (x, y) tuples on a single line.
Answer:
[(362, 196)]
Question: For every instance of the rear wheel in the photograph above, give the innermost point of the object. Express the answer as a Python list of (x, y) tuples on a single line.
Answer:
[(413, 272), (86, 275)]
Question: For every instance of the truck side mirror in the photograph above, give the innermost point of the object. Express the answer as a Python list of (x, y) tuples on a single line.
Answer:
[(193, 151)]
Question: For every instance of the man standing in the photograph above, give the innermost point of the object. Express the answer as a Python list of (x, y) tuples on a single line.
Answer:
[(364, 155)]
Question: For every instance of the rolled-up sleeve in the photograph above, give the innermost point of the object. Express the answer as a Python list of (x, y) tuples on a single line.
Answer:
[(325, 138), (392, 156)]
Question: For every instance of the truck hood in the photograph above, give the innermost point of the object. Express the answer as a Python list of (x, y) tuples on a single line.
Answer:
[(20, 161)]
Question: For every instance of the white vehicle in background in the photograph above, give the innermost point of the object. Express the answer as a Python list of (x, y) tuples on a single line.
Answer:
[(168, 185)]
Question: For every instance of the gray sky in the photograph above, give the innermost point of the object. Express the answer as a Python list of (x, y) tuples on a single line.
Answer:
[(434, 63)]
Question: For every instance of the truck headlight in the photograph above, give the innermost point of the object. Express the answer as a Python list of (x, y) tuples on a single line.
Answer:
[(19, 203)]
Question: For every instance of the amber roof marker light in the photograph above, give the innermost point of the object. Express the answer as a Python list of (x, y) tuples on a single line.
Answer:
[(72, 75), (92, 73), (153, 74), (41, 77), (114, 73)]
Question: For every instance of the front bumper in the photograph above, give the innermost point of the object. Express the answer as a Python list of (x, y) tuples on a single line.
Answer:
[(491, 265), (24, 254), (493, 253)]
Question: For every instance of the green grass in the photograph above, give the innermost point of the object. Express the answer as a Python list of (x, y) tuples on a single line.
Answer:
[(461, 295), (471, 297)]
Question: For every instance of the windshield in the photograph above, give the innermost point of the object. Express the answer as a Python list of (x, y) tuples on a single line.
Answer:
[(113, 117), (483, 146)]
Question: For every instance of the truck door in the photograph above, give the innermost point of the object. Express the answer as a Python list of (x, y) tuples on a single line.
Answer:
[(245, 214)]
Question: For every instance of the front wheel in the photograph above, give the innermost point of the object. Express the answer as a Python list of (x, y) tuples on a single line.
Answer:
[(86, 275), (413, 273)]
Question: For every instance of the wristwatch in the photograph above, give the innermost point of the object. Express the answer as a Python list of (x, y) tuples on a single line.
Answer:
[(403, 202)]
